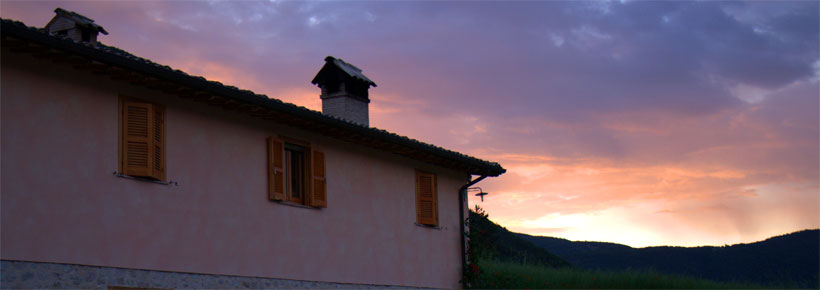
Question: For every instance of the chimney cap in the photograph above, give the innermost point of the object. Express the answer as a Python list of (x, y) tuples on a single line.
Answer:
[(80, 20), (349, 69)]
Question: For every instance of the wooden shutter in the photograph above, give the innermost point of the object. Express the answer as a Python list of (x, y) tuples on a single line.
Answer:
[(137, 142), (158, 143), (319, 184), (426, 199), (276, 172)]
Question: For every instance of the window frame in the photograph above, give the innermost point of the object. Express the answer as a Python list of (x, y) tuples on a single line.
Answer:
[(303, 183)]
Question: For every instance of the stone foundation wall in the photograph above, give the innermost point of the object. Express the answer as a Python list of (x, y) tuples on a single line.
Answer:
[(28, 275)]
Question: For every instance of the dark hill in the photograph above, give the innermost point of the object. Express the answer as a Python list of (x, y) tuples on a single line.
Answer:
[(488, 240), (789, 260)]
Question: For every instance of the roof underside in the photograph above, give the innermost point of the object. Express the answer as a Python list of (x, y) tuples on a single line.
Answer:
[(122, 66)]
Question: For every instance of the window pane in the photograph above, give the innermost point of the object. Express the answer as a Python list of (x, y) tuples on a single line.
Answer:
[(295, 166), (297, 175)]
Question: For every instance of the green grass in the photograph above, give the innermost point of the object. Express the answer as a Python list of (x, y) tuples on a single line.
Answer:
[(507, 275)]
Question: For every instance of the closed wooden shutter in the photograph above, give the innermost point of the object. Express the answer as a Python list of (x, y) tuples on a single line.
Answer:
[(138, 149), (319, 185), (426, 199), (276, 172), (159, 142)]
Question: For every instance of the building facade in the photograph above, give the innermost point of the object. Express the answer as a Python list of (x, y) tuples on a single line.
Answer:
[(118, 172)]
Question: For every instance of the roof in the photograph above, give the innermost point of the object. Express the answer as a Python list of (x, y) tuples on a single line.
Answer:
[(123, 66), (80, 20), (349, 69)]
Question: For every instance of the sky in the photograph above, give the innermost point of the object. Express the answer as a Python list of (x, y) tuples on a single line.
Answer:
[(637, 122)]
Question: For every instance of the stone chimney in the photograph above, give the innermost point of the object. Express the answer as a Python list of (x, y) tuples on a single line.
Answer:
[(344, 91), (74, 26)]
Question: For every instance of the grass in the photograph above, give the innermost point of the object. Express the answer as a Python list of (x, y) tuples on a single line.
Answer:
[(505, 275)]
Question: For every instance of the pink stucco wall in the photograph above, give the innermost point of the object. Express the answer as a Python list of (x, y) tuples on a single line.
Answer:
[(61, 203)]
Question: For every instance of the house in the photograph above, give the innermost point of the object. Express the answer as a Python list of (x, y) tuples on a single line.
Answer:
[(121, 172)]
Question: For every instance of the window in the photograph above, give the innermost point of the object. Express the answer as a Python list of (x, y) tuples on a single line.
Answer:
[(296, 173), (426, 199), (142, 151)]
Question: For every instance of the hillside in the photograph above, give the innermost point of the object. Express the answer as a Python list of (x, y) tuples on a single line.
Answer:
[(490, 241), (792, 259)]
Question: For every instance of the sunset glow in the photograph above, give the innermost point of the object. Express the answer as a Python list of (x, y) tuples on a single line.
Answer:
[(636, 122)]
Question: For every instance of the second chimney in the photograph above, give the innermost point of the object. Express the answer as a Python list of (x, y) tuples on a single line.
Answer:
[(344, 91)]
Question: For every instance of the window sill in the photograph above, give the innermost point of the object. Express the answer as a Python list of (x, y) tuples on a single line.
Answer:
[(428, 226), (120, 175), (293, 204)]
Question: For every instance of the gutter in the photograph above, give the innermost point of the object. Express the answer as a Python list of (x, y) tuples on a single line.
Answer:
[(462, 199)]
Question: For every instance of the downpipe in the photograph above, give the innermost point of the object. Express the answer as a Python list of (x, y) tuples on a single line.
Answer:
[(462, 199)]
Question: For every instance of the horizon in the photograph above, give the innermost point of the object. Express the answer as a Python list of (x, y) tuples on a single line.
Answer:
[(698, 246), (641, 123)]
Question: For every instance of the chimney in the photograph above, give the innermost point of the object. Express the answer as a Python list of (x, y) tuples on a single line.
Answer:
[(344, 91), (74, 26)]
